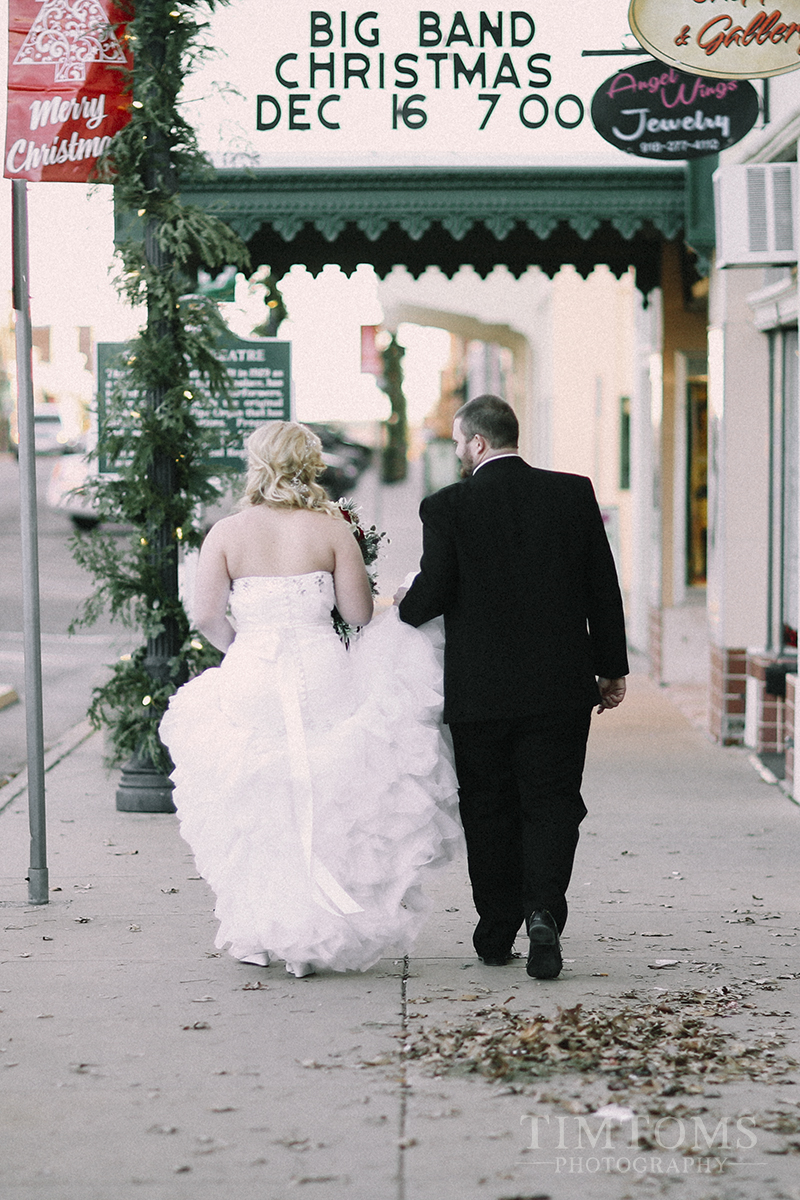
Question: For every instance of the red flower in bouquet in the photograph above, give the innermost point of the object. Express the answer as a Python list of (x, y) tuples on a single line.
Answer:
[(369, 543)]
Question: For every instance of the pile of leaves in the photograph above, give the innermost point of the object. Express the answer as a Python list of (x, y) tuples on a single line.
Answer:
[(666, 1045)]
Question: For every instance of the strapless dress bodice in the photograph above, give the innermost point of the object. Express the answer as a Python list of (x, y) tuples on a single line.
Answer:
[(276, 601)]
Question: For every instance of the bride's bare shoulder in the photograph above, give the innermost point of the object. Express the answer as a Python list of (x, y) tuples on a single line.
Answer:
[(265, 515), (223, 526)]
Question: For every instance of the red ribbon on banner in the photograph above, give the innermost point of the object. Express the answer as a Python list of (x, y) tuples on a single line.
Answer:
[(69, 87)]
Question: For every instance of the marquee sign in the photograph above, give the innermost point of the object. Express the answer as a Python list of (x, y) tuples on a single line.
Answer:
[(444, 82), (67, 91), (654, 111), (734, 39)]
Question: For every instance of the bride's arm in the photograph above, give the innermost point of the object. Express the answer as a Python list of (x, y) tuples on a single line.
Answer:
[(350, 581), (211, 590)]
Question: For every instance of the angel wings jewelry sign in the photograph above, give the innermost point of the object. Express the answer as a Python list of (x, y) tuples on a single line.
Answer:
[(654, 111)]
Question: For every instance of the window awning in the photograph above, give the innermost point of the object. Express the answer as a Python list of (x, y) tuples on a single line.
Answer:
[(449, 217)]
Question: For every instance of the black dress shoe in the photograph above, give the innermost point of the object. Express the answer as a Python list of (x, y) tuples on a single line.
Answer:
[(544, 956), (493, 940), (496, 960)]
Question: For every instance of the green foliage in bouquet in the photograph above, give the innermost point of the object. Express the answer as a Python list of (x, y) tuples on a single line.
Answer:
[(152, 436)]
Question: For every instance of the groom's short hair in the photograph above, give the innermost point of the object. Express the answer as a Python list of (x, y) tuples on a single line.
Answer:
[(492, 418)]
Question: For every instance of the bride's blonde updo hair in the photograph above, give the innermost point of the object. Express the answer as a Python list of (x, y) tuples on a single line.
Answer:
[(284, 460)]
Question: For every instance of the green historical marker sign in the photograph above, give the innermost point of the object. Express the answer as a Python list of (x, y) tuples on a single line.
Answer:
[(259, 389), (259, 383)]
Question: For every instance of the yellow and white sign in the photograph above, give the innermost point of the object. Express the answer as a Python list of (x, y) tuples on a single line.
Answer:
[(727, 39)]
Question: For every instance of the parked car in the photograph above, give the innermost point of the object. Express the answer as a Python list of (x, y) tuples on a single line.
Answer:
[(345, 460), (49, 434), (68, 476)]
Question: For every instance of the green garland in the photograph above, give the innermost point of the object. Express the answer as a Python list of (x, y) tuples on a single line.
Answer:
[(172, 358)]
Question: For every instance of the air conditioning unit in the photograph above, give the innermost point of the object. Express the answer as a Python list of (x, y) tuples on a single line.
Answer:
[(756, 214)]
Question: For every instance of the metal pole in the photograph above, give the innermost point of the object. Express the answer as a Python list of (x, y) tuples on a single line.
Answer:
[(38, 884)]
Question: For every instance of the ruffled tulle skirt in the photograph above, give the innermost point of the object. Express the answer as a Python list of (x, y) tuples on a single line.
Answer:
[(316, 789)]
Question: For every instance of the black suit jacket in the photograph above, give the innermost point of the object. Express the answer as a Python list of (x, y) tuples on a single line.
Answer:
[(518, 561)]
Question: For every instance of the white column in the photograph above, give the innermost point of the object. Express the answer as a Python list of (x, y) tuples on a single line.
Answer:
[(739, 405), (645, 467)]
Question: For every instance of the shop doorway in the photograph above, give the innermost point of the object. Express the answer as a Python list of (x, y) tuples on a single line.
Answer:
[(696, 476)]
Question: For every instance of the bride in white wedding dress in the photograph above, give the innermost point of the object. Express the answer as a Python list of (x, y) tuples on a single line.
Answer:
[(312, 782)]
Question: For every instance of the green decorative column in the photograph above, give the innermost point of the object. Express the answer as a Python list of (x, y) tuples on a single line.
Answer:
[(395, 453), (143, 787)]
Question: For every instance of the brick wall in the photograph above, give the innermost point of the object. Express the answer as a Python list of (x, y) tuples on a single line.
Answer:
[(769, 718), (726, 701)]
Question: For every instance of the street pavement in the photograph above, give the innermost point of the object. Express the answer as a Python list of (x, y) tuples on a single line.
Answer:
[(138, 1063), (71, 665)]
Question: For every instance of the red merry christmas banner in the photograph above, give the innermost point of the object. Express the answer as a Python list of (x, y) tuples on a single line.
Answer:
[(68, 88)]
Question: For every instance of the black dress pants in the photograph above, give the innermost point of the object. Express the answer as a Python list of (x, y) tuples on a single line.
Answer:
[(521, 806)]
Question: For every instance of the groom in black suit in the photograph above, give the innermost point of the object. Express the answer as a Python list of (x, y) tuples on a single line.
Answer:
[(518, 562)]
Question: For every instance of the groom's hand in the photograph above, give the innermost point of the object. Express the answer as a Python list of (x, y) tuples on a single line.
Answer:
[(612, 693), (398, 596)]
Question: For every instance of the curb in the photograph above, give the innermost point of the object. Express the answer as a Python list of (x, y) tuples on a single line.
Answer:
[(70, 741)]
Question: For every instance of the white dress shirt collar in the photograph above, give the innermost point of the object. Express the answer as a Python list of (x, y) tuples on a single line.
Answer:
[(494, 457)]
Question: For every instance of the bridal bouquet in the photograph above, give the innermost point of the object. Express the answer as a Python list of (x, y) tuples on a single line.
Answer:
[(369, 543)]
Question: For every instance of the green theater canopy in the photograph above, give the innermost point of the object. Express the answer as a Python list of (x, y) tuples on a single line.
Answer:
[(449, 217)]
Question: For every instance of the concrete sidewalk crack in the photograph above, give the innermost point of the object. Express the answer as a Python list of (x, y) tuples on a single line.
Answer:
[(402, 1141)]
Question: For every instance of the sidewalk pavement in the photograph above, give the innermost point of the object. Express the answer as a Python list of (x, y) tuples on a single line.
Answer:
[(137, 1063)]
